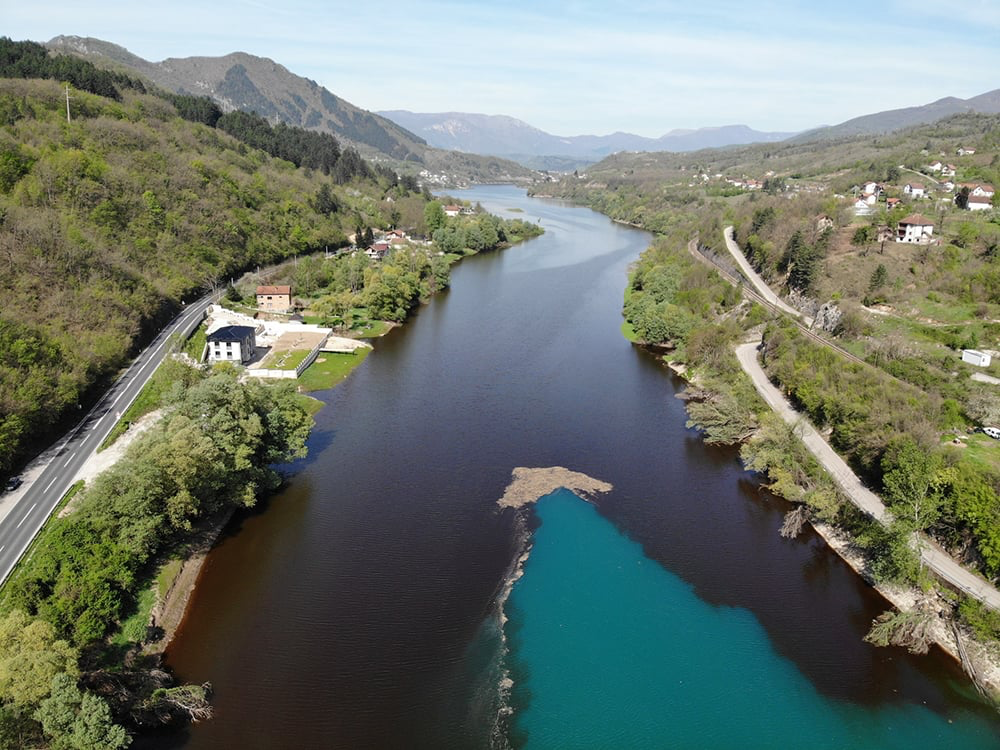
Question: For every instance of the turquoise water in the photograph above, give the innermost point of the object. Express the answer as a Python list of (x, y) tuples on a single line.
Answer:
[(609, 650)]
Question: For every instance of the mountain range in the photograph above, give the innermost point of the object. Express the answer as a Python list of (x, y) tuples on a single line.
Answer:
[(897, 119), (455, 145), (247, 82), (509, 137)]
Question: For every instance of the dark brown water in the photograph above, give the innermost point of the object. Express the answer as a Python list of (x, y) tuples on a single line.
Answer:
[(354, 610)]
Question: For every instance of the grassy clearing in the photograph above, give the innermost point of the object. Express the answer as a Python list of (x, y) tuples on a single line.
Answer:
[(629, 332), (166, 574), (285, 360), (310, 404), (133, 628), (195, 345), (329, 369), (979, 449), (374, 329)]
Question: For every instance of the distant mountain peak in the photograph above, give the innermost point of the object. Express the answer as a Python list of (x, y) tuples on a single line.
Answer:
[(502, 135)]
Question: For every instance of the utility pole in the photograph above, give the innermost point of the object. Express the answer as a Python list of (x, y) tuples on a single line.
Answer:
[(67, 102)]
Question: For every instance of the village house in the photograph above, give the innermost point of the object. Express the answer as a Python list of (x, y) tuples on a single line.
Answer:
[(378, 251), (872, 188), (983, 191), (231, 344), (914, 190), (915, 229), (935, 166), (947, 185), (891, 203), (979, 203), (862, 207), (964, 151), (948, 170), (452, 210), (274, 298)]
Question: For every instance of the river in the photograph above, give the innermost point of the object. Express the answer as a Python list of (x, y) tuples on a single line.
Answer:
[(358, 607)]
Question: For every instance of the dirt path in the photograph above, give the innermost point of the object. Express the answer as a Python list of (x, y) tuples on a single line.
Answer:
[(758, 283)]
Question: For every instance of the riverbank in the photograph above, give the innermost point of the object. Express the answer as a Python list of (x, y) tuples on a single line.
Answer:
[(984, 658)]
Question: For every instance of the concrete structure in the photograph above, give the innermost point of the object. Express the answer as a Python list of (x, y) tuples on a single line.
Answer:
[(976, 357), (231, 344), (915, 229), (274, 298)]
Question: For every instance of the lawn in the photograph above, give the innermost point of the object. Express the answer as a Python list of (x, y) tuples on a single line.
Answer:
[(329, 369), (285, 360), (980, 449)]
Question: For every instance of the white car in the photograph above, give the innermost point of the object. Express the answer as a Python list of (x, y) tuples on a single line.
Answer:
[(993, 432)]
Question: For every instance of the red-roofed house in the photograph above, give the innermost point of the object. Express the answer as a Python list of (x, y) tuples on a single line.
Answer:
[(916, 229), (979, 203), (452, 210), (914, 189), (274, 298)]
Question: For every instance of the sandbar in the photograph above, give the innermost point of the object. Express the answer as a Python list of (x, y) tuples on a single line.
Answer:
[(528, 485)]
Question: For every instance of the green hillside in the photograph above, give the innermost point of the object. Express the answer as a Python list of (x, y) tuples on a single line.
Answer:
[(911, 412), (110, 221)]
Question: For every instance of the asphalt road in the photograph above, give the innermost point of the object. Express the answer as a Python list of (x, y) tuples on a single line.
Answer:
[(44, 487)]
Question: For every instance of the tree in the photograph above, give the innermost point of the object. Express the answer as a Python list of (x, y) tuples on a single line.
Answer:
[(892, 174), (908, 479), (31, 655), (863, 235), (75, 720), (962, 198), (434, 216), (802, 260), (879, 276)]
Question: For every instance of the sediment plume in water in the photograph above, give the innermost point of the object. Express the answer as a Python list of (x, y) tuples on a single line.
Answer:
[(528, 485)]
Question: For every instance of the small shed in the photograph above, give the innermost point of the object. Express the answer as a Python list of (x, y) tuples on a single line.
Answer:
[(976, 357)]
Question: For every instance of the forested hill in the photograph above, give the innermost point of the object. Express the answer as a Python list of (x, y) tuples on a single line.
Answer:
[(109, 221), (240, 81)]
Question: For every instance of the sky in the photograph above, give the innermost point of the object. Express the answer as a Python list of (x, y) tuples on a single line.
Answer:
[(574, 68)]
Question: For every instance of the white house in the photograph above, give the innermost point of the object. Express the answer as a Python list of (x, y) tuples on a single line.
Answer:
[(963, 151), (935, 166), (976, 357), (982, 191), (947, 185), (914, 190), (915, 229), (231, 344), (452, 210), (872, 188), (948, 170), (862, 208), (979, 203)]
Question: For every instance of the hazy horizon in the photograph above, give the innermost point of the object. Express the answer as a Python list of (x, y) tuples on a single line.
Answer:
[(577, 68)]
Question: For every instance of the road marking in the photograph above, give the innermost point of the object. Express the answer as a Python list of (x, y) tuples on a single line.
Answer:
[(51, 483), (26, 516), (3, 548), (67, 462)]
